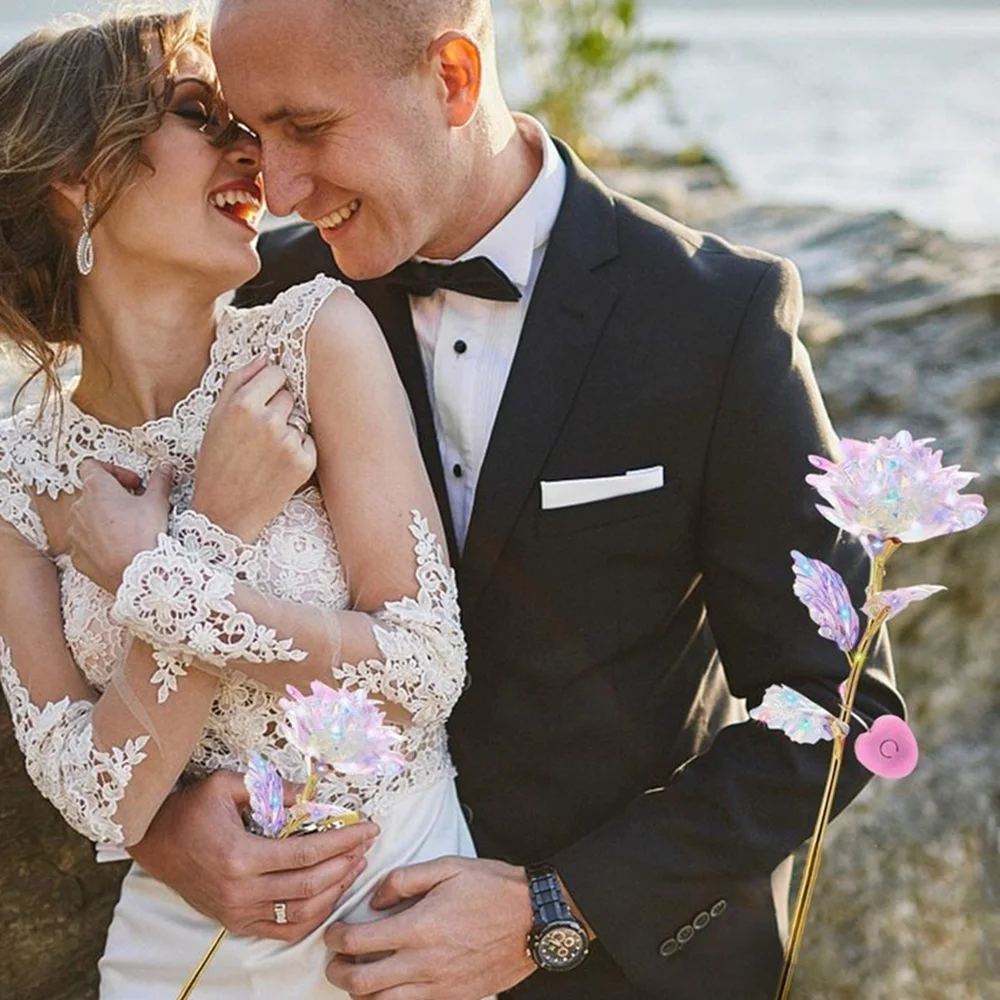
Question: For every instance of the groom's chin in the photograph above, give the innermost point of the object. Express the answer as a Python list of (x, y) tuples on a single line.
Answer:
[(357, 262)]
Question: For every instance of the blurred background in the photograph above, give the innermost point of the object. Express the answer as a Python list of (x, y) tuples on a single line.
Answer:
[(861, 138)]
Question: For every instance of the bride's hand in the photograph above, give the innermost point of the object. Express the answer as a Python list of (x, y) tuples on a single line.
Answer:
[(109, 525), (252, 459)]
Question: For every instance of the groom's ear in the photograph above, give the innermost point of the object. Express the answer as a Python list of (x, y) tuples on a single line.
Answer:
[(457, 62)]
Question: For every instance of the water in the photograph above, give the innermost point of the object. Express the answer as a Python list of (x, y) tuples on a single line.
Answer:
[(858, 106)]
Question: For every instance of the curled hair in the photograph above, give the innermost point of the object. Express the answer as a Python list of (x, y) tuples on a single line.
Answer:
[(75, 104)]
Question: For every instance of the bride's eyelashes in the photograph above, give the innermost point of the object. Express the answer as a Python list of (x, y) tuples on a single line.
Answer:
[(197, 113)]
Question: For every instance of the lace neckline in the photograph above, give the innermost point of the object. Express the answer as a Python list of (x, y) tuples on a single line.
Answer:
[(73, 414)]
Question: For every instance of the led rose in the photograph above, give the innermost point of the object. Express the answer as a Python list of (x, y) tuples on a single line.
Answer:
[(894, 601), (266, 796), (823, 591), (340, 729), (894, 488)]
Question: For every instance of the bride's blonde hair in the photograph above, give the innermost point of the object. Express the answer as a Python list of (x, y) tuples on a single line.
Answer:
[(76, 102)]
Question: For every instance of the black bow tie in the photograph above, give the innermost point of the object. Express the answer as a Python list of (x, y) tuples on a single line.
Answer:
[(478, 277)]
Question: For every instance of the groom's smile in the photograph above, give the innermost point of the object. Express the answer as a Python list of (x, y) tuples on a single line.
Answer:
[(338, 218)]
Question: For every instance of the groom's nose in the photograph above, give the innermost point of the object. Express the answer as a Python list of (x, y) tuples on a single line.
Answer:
[(285, 180)]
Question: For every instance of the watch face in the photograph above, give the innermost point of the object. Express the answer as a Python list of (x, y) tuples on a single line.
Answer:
[(561, 946)]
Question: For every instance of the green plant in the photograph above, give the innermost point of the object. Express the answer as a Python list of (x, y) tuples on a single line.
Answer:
[(584, 59)]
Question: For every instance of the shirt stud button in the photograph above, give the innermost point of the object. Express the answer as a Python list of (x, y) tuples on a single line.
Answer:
[(461, 347), (457, 470)]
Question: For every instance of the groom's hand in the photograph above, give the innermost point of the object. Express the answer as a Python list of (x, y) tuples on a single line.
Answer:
[(198, 846), (463, 939)]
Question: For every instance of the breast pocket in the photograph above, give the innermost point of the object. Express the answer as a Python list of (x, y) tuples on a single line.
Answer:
[(609, 511)]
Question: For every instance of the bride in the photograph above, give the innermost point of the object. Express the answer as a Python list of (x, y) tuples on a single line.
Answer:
[(144, 642)]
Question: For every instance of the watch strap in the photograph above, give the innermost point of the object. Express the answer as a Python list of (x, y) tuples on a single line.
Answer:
[(547, 902)]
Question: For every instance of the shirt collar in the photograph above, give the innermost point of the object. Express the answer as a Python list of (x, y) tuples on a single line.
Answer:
[(512, 242)]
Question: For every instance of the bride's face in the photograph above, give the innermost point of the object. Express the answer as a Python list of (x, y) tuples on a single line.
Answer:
[(193, 207)]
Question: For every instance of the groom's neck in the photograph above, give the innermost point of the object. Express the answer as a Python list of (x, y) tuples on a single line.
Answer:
[(506, 162)]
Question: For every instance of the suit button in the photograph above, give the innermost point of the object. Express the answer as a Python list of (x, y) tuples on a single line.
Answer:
[(718, 908), (669, 947), (685, 934), (701, 921)]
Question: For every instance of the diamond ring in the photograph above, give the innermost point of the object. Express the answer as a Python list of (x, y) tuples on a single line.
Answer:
[(281, 913)]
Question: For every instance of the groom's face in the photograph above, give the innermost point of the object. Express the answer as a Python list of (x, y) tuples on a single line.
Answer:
[(362, 153)]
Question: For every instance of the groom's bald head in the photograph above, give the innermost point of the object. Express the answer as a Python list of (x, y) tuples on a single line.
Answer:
[(391, 35), (377, 118)]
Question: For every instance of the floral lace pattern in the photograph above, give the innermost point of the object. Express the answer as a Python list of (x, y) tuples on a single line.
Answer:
[(294, 558), (85, 784), (180, 605), (421, 641)]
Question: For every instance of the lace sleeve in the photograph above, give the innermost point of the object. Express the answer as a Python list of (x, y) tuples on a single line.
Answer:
[(85, 749), (180, 604), (420, 640), (63, 760)]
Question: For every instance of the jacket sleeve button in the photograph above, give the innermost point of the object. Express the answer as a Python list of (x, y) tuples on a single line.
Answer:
[(669, 947), (685, 934), (700, 922), (718, 908)]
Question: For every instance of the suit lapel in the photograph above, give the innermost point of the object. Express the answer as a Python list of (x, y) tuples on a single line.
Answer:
[(567, 314), (391, 307)]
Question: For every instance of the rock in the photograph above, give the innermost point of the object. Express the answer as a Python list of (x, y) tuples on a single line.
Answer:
[(55, 902), (904, 328)]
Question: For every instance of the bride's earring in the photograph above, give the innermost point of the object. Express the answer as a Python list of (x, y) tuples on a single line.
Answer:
[(85, 248)]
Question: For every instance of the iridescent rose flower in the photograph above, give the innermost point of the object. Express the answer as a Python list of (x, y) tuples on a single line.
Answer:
[(340, 729), (266, 796), (894, 488), (823, 591), (895, 601)]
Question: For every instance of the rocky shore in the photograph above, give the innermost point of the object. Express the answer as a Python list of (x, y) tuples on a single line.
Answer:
[(904, 328)]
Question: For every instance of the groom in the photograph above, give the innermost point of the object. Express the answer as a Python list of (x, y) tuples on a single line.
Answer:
[(616, 414)]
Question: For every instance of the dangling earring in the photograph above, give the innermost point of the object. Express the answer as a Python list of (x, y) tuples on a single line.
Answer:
[(85, 248)]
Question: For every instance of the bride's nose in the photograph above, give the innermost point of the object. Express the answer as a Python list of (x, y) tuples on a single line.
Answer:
[(245, 150)]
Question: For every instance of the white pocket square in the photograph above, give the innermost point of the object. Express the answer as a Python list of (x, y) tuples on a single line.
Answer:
[(573, 492)]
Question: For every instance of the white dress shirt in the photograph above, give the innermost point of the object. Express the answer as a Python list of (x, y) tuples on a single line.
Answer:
[(467, 344)]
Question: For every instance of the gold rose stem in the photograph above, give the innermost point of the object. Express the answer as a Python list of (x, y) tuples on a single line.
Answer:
[(810, 871), (307, 794), (202, 966)]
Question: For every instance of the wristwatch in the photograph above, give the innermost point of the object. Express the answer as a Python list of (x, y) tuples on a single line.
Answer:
[(558, 941)]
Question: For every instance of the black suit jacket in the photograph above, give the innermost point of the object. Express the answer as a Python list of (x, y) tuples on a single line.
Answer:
[(609, 644)]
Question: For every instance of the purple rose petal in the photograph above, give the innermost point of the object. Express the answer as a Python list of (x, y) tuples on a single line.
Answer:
[(823, 591), (266, 795), (800, 719), (896, 601)]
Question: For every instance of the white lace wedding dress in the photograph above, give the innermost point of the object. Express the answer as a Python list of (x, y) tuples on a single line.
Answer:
[(155, 938)]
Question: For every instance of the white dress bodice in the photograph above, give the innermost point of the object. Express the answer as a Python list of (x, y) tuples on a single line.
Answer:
[(295, 558)]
